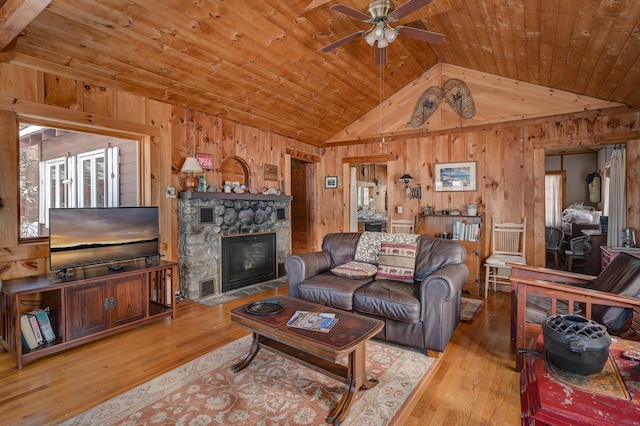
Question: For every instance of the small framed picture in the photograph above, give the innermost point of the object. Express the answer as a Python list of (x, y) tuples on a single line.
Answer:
[(205, 160), (331, 182)]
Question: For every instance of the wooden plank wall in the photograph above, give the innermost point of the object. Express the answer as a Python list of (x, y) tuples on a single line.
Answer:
[(78, 105), (510, 168), (509, 158), (172, 134)]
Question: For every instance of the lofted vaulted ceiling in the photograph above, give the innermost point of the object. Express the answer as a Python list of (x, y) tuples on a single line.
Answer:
[(260, 62)]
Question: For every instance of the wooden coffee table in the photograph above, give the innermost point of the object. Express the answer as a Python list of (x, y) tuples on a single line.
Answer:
[(316, 350)]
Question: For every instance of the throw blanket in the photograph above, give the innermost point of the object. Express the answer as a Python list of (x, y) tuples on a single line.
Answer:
[(368, 248)]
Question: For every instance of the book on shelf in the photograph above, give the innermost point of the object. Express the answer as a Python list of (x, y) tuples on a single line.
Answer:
[(30, 338), (316, 321), (45, 324), (465, 231)]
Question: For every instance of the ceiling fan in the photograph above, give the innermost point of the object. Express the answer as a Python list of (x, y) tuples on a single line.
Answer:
[(380, 14)]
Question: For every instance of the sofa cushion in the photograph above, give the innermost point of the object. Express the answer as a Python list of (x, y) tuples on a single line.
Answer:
[(397, 262), (368, 248), (436, 253), (353, 269), (389, 299), (621, 276), (331, 290)]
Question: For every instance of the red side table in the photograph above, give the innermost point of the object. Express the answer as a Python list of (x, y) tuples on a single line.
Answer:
[(547, 401)]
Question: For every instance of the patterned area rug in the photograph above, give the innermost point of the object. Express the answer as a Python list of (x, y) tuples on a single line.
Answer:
[(469, 308), (270, 391)]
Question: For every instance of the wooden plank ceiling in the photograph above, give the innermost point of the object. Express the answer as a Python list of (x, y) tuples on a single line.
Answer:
[(260, 62)]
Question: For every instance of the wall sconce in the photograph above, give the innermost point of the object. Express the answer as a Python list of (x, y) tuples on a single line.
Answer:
[(190, 166), (412, 192)]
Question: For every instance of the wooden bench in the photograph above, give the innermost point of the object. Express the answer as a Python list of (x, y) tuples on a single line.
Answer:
[(563, 291)]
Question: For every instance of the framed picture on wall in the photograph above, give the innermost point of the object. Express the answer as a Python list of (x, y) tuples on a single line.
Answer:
[(456, 177), (205, 160), (331, 182)]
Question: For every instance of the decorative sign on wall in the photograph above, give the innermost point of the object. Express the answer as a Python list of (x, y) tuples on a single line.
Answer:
[(205, 160), (269, 172)]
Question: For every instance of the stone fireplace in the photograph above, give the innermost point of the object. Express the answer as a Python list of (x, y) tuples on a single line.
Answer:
[(205, 218)]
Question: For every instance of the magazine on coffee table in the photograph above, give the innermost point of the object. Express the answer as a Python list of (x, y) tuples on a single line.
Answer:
[(316, 321)]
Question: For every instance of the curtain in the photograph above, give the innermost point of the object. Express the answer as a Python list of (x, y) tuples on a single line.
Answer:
[(617, 197), (553, 200)]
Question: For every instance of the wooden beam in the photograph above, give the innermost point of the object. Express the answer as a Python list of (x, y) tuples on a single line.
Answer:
[(7, 53), (74, 120), (15, 15), (382, 158)]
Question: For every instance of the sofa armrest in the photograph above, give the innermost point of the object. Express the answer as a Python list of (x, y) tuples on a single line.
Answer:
[(439, 295), (449, 280), (299, 267)]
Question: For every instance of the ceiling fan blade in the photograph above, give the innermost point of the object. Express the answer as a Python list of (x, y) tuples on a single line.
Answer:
[(346, 10), (418, 34), (407, 8), (344, 41), (381, 56)]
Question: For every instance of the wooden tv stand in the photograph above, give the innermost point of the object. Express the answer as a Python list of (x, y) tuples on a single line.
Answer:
[(93, 303)]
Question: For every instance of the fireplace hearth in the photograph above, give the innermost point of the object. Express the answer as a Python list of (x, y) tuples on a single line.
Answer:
[(207, 221)]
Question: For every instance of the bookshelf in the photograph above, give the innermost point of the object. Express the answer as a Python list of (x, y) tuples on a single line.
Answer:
[(470, 235), (93, 303)]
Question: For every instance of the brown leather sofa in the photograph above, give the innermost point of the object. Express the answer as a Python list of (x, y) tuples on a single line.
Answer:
[(422, 314)]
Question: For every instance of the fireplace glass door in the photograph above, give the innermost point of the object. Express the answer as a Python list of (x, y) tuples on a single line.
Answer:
[(248, 259)]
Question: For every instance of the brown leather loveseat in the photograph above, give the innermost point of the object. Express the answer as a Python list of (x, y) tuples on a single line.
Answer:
[(422, 311)]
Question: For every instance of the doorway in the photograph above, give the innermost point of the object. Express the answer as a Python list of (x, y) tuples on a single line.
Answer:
[(369, 197), (301, 211)]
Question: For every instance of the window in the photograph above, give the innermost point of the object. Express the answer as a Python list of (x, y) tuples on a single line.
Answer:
[(63, 168), (91, 175), (554, 190)]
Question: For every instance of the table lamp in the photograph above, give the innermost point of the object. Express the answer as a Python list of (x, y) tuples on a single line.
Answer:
[(190, 166)]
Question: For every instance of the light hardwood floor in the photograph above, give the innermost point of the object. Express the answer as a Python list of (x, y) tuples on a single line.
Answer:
[(474, 383)]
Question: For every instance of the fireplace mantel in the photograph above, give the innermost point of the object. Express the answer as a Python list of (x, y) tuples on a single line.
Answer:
[(186, 195)]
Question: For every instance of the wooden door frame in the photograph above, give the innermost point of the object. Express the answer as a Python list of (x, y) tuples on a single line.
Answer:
[(306, 157), (347, 163)]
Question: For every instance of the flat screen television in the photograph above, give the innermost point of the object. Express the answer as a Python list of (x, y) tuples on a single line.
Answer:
[(89, 236)]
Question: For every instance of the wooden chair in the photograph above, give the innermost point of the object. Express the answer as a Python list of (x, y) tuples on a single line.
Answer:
[(576, 251), (507, 246), (553, 244), (405, 226), (564, 292)]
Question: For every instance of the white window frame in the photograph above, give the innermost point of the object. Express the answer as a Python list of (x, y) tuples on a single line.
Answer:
[(61, 187), (92, 157)]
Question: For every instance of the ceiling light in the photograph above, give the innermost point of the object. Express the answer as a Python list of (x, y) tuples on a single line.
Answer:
[(370, 38), (381, 33), (390, 34)]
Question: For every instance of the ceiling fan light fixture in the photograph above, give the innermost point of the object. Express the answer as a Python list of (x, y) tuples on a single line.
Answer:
[(379, 30), (390, 34), (382, 43), (370, 38)]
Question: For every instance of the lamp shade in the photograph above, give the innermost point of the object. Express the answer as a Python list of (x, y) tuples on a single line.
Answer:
[(406, 178), (191, 165)]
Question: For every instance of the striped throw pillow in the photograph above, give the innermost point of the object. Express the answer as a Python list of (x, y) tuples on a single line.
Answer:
[(397, 262)]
